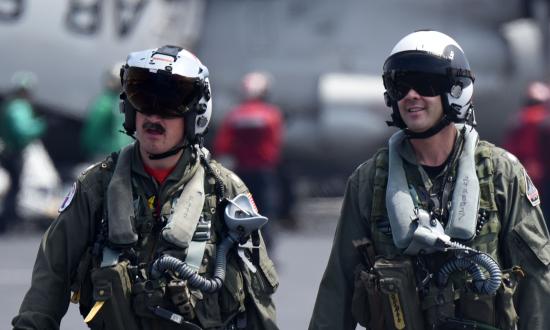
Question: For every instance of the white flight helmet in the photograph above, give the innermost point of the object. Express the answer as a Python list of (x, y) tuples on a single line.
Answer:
[(431, 63), (168, 81)]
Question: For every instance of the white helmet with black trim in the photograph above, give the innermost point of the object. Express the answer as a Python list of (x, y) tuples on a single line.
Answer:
[(431, 63), (167, 81)]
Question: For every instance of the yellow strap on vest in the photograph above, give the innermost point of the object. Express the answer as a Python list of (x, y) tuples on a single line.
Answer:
[(93, 312), (397, 312)]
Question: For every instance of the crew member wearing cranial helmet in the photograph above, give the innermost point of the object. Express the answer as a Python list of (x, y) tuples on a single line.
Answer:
[(250, 137), (158, 235), (439, 230)]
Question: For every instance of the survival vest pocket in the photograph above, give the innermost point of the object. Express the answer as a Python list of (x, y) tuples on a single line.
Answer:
[(146, 296), (366, 306), (397, 283), (111, 294), (216, 309), (265, 281), (477, 307)]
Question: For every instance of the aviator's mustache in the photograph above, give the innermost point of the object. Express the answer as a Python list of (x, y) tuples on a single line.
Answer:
[(154, 127)]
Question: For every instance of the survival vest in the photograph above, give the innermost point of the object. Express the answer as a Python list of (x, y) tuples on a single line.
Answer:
[(438, 307), (127, 298)]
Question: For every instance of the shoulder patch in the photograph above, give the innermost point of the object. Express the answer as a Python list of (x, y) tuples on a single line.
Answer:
[(68, 199), (531, 191)]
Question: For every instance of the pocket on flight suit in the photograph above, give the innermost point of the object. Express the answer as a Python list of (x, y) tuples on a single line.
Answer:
[(528, 238)]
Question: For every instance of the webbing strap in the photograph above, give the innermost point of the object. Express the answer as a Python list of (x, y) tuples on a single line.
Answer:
[(195, 253)]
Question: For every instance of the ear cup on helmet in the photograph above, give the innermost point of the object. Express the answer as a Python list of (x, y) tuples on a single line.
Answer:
[(189, 125), (387, 99), (129, 115)]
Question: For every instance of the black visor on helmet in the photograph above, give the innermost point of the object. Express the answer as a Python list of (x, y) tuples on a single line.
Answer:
[(427, 74), (160, 93), (425, 84)]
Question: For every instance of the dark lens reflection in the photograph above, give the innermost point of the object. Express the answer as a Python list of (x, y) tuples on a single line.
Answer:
[(424, 84), (163, 94)]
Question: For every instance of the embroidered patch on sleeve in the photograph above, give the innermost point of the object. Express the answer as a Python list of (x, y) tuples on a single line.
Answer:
[(68, 199), (531, 191)]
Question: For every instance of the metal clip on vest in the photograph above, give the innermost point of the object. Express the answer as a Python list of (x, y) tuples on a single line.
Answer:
[(241, 219)]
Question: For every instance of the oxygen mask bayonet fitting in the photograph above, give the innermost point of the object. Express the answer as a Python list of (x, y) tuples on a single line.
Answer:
[(429, 235), (241, 218)]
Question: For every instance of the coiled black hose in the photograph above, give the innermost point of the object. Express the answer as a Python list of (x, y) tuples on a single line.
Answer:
[(185, 272), (472, 264)]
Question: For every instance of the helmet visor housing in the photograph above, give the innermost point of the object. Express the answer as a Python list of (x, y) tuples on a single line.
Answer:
[(160, 93), (425, 84), (428, 75)]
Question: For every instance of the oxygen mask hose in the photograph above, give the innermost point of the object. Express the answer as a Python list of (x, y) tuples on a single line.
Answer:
[(241, 219), (186, 272), (470, 261), (430, 237)]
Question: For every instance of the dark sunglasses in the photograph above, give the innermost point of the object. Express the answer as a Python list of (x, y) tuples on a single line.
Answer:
[(425, 84)]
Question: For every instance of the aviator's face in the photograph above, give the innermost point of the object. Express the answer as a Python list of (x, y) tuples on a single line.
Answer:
[(158, 134), (420, 113)]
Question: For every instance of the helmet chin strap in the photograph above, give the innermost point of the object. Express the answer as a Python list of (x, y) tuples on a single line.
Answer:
[(170, 152), (430, 131)]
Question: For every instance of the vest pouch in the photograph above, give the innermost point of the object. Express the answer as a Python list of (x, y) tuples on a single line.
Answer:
[(112, 285), (366, 302), (438, 304), (207, 308), (265, 281), (214, 310), (401, 303), (477, 307), (146, 296)]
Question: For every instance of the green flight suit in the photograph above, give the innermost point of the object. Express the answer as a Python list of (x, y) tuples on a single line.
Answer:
[(522, 237), (70, 236)]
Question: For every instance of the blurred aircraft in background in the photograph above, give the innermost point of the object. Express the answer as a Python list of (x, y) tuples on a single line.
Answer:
[(326, 58)]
